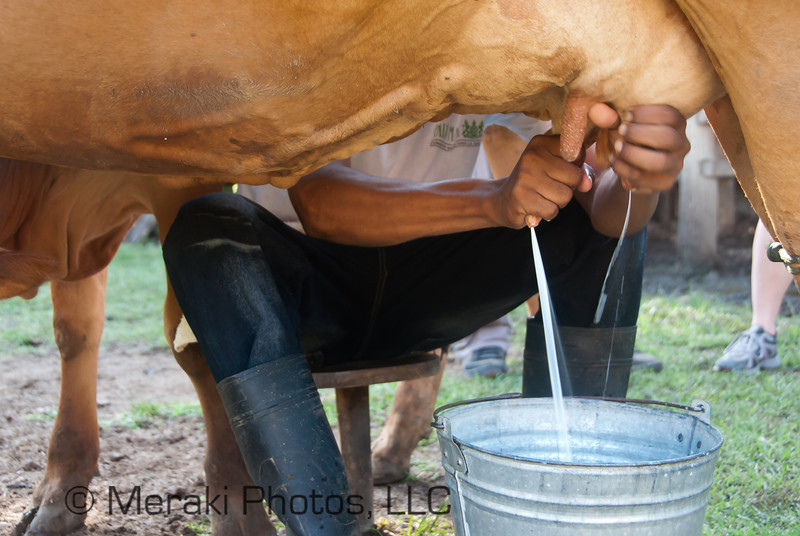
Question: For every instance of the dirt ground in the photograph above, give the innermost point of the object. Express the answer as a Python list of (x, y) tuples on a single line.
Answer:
[(166, 457), (161, 458)]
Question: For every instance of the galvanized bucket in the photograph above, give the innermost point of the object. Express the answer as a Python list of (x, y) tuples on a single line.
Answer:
[(635, 470)]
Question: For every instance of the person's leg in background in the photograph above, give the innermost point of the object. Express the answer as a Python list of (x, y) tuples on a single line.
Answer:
[(483, 353), (248, 328), (757, 347)]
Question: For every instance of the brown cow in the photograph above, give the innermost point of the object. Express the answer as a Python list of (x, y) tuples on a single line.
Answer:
[(68, 224), (268, 91), (63, 226)]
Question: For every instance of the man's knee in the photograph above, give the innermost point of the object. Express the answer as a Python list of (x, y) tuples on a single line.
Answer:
[(201, 219), (216, 205)]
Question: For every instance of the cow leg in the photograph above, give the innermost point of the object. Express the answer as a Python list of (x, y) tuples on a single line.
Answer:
[(226, 474), (78, 317), (752, 45), (408, 423), (725, 122)]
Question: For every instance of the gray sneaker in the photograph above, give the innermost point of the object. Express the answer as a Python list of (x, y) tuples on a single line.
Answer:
[(488, 361), (750, 351)]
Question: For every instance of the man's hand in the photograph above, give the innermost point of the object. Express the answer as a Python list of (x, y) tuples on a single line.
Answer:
[(649, 145), (540, 184)]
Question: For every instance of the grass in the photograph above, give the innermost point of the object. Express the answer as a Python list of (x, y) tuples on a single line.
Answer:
[(134, 305), (757, 481), (756, 488), (138, 297), (27, 325), (146, 414), (428, 525), (42, 414), (198, 528)]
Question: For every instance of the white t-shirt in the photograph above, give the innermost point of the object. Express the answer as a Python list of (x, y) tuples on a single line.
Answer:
[(446, 149)]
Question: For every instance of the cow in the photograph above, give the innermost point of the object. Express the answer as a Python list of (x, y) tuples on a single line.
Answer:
[(262, 92), (269, 91), (63, 226)]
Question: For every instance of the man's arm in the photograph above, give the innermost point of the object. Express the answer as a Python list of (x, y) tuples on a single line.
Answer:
[(346, 206), (343, 205), (649, 154), (606, 203)]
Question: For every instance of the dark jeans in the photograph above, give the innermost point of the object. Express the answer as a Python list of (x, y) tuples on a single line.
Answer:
[(255, 290)]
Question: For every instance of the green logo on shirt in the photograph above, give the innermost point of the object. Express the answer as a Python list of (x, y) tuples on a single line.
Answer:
[(473, 130), (448, 137)]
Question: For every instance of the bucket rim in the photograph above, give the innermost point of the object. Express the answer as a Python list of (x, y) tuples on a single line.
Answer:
[(516, 397)]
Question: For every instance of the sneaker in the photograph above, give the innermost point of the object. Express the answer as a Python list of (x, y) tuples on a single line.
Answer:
[(488, 361), (751, 351)]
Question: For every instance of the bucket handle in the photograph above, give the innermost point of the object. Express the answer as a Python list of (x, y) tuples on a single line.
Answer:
[(698, 406), (440, 425), (701, 407)]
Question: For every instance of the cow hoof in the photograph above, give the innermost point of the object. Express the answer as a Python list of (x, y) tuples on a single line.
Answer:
[(386, 472), (47, 520)]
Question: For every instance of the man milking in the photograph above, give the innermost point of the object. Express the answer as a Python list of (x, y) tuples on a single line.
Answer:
[(390, 266)]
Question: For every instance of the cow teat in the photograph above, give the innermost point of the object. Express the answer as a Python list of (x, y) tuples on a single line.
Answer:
[(573, 124)]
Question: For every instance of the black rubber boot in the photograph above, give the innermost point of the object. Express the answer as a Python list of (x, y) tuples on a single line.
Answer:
[(289, 449), (597, 361), (597, 358)]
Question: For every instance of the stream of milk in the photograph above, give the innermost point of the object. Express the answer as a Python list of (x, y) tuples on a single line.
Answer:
[(561, 424), (546, 306)]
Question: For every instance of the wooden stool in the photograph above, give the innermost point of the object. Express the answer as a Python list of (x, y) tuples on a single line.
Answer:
[(352, 408)]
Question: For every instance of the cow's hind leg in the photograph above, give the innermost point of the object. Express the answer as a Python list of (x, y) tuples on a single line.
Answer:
[(78, 317), (408, 423), (226, 474)]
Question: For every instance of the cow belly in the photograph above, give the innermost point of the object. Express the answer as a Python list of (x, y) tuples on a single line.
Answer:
[(261, 91)]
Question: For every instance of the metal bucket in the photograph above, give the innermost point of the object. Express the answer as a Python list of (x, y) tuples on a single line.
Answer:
[(634, 470)]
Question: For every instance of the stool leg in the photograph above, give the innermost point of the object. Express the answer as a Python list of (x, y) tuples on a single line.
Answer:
[(352, 407)]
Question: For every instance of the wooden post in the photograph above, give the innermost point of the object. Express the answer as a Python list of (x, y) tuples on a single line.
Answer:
[(702, 207)]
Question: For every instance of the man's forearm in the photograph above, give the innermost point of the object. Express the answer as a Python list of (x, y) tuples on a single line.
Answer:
[(346, 206), (609, 204)]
